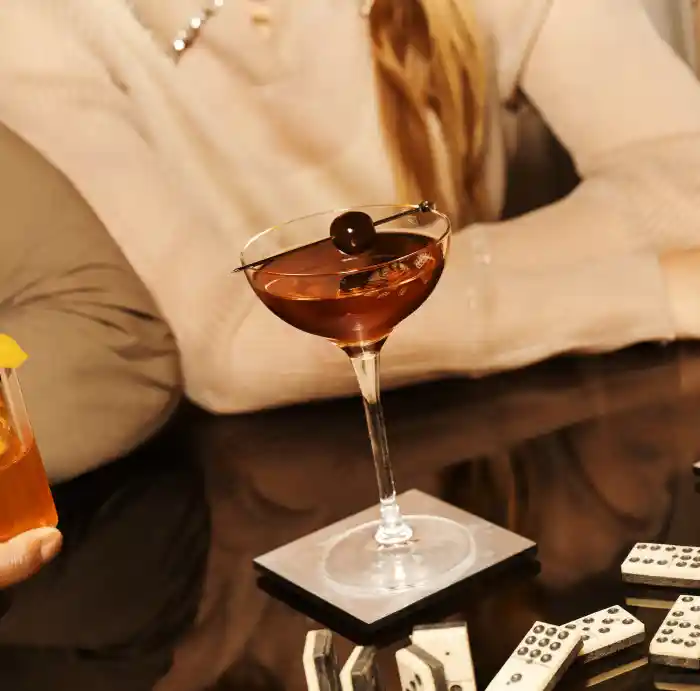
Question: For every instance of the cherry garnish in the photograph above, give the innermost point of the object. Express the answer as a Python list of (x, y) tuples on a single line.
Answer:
[(353, 232)]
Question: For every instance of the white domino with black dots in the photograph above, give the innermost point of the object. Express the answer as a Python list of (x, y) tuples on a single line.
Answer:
[(449, 643), (655, 564), (419, 670), (360, 671), (606, 632), (540, 660), (677, 642), (320, 661)]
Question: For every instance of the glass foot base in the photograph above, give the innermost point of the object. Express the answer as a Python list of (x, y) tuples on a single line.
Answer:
[(439, 545), (303, 568)]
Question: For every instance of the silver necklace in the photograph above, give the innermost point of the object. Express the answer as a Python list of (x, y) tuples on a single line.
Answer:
[(188, 36)]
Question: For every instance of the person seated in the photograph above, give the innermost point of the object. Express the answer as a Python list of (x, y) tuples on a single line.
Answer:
[(102, 374), (190, 126)]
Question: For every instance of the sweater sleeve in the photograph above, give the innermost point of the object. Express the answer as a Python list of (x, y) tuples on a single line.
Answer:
[(588, 272), (102, 374)]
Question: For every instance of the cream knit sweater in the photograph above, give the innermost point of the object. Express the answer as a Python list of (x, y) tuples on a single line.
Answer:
[(184, 163)]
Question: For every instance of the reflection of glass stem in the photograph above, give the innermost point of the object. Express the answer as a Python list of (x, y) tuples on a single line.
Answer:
[(393, 529)]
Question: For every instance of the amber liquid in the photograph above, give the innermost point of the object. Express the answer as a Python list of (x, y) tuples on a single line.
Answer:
[(25, 497), (361, 306)]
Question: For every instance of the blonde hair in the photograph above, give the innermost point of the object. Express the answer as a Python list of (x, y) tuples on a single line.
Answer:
[(429, 59)]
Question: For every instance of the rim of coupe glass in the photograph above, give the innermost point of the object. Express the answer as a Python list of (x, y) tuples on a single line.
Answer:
[(372, 267)]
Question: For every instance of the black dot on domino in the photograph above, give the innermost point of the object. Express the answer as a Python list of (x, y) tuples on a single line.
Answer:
[(538, 629), (546, 657), (613, 610)]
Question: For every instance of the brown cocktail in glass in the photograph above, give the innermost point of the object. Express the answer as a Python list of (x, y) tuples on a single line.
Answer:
[(355, 299), (361, 298)]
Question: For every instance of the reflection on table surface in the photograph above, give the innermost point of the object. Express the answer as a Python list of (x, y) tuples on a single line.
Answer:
[(583, 455)]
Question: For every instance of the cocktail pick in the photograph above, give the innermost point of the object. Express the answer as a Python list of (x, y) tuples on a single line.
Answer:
[(352, 233)]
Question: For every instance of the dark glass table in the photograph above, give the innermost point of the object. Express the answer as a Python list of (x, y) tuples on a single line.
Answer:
[(584, 455)]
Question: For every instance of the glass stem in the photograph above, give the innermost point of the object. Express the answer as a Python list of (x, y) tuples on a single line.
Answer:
[(393, 529)]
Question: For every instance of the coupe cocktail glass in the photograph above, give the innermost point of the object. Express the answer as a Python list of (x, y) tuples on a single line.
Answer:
[(355, 301)]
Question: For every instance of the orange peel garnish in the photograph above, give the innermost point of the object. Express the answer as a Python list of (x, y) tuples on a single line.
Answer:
[(11, 355)]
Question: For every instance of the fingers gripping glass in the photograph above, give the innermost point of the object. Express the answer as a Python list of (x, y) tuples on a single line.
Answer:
[(355, 300)]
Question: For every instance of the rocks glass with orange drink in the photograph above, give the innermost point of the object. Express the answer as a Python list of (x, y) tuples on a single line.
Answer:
[(25, 496)]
